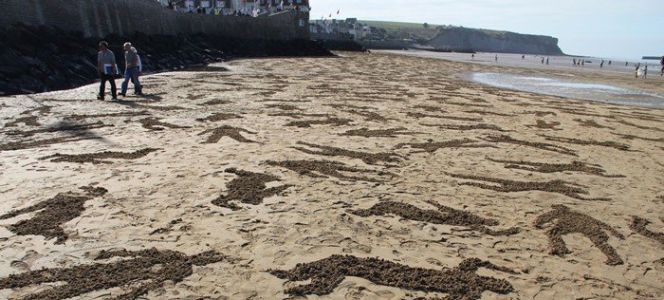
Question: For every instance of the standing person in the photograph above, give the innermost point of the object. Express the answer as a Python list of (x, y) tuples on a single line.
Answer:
[(662, 63), (131, 70), (645, 72), (547, 60), (107, 69), (574, 61), (140, 72), (542, 59), (601, 65), (496, 57)]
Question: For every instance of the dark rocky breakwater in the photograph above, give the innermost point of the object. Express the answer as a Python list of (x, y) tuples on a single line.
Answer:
[(41, 59)]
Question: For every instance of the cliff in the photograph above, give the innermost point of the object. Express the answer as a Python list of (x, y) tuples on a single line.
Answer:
[(459, 38)]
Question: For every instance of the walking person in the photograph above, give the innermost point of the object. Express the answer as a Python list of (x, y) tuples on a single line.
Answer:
[(107, 69), (662, 63), (131, 70)]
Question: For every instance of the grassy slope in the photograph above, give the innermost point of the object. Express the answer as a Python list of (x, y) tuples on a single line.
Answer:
[(405, 30), (418, 28)]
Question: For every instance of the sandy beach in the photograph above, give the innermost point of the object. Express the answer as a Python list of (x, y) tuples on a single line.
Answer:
[(365, 176)]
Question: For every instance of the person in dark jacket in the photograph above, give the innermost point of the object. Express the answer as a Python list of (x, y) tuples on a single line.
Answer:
[(107, 69)]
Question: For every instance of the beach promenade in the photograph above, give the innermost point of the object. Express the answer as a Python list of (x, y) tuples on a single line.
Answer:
[(221, 181)]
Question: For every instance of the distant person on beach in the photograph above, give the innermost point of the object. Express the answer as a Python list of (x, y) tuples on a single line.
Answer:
[(132, 70), (645, 72), (601, 65), (547, 60), (107, 69), (472, 56), (542, 60), (574, 61), (662, 63), (496, 57), (609, 63), (523, 57)]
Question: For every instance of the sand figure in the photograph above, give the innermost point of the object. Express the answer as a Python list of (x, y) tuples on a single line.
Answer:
[(108, 115), (141, 272), (568, 189), (369, 116), (326, 168), (11, 146), (52, 213), (298, 115), (639, 225), (466, 127), (248, 188), (231, 132), (366, 157), (618, 146), (390, 133), (27, 121), (328, 121), (566, 221), (155, 124), (541, 124), (575, 166), (219, 117), (62, 127), (419, 115), (215, 102), (101, 157), (542, 146), (432, 146), (591, 123), (444, 215), (460, 283)]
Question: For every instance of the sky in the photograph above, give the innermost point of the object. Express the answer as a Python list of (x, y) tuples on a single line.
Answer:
[(620, 29)]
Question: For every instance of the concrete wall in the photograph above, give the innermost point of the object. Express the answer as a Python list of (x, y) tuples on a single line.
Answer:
[(98, 18)]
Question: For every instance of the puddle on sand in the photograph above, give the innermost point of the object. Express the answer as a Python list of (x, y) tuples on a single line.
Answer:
[(569, 89)]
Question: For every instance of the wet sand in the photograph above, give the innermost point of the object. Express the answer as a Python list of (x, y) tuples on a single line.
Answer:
[(367, 176)]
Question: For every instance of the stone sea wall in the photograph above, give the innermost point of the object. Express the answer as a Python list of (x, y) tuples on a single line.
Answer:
[(99, 18), (48, 45)]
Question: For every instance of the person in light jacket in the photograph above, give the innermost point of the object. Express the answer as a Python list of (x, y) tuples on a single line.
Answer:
[(132, 70)]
